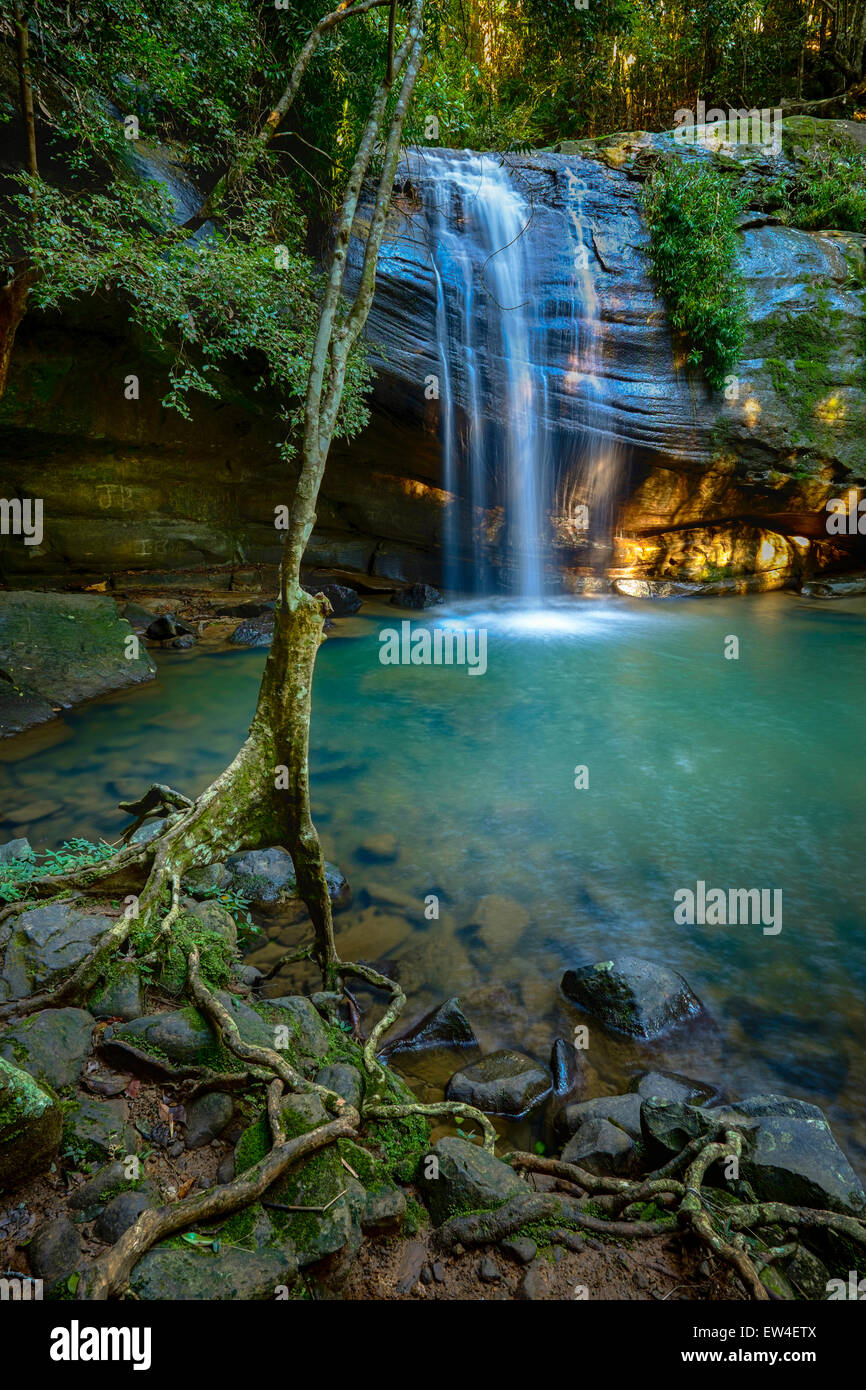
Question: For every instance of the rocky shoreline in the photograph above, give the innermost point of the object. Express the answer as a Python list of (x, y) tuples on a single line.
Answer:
[(133, 1101)]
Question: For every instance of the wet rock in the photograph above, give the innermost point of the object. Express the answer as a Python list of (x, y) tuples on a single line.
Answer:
[(520, 1248), (469, 1179), (502, 1083), (166, 627), (139, 618), (789, 1152), (52, 1045), (207, 1117), (346, 1080), (632, 996), (184, 1038), (46, 945), (122, 995), (665, 1085), (148, 830), (54, 1249), (563, 1066), (120, 1213), (808, 1274), (15, 849), (31, 1124), (417, 596), (601, 1148), (343, 600), (445, 1026), (254, 632), (622, 1111), (267, 876), (231, 1275)]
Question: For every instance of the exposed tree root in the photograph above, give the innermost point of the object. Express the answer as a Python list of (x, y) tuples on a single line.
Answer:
[(77, 986), (109, 1273), (483, 1228)]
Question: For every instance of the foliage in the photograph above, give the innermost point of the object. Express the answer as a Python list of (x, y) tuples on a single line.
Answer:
[(828, 189), (16, 874), (691, 210)]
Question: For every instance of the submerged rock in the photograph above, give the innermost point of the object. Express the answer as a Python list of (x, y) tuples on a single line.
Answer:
[(503, 1083), (632, 996), (465, 1178), (31, 1123)]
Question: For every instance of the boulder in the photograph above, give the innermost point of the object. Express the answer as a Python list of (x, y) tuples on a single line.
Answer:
[(602, 1148), (119, 1214), (307, 1032), (89, 1199), (445, 1026), (121, 996), (465, 1178), (417, 596), (15, 849), (183, 1038), (52, 1045), (267, 876), (789, 1152), (204, 878), (624, 1112), (54, 1249), (167, 627), (632, 996), (254, 632), (664, 1085), (343, 600), (502, 1083), (46, 945), (563, 1066), (31, 1124)]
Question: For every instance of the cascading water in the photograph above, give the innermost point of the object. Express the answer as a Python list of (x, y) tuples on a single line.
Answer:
[(511, 466)]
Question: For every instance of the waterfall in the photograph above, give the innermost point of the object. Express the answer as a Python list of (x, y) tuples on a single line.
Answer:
[(521, 476)]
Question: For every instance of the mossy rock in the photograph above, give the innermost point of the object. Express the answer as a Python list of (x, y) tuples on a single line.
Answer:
[(31, 1125), (51, 1045)]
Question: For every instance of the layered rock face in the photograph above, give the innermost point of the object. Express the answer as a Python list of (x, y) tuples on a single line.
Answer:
[(722, 492)]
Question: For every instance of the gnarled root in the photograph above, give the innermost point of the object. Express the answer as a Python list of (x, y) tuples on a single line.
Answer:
[(109, 1273), (485, 1227)]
